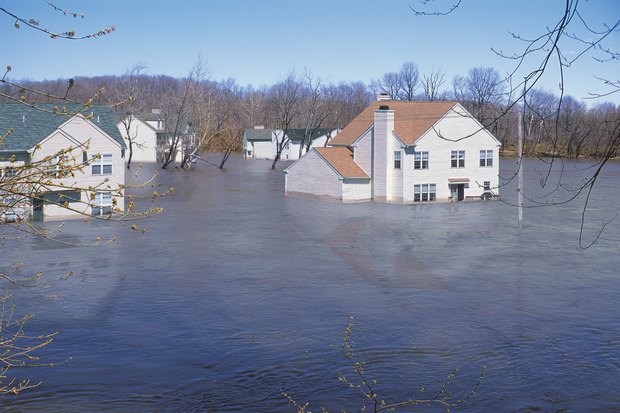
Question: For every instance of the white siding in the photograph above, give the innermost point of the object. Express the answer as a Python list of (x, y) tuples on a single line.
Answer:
[(454, 127), (362, 153), (78, 131), (262, 150), (356, 191), (144, 138), (395, 175), (311, 175)]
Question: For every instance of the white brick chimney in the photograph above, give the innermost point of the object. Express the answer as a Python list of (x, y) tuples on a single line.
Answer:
[(382, 153)]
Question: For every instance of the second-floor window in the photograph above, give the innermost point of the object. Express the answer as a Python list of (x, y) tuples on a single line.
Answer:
[(486, 157), (102, 165), (420, 160), (457, 159), (396, 159), (58, 166)]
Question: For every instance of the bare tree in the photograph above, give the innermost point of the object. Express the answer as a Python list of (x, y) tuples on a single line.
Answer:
[(126, 100), (180, 131), (567, 38), (431, 85), (389, 84), (481, 89), (409, 77), (401, 85), (283, 108), (315, 110)]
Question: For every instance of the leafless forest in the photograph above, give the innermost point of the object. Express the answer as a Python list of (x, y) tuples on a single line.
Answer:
[(221, 110)]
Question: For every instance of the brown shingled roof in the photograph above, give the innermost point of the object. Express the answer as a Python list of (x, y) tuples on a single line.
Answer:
[(341, 159), (411, 120)]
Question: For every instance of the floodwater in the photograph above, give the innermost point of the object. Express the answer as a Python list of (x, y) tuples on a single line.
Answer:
[(237, 292)]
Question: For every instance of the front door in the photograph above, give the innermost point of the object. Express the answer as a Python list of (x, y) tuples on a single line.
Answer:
[(37, 209), (457, 192)]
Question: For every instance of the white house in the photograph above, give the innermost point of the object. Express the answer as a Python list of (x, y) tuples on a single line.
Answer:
[(147, 132), (403, 152), (261, 143), (76, 162)]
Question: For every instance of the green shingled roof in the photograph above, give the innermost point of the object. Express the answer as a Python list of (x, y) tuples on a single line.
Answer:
[(296, 135), (40, 124), (258, 134)]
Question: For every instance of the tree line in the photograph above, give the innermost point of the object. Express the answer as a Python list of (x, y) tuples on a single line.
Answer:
[(220, 110)]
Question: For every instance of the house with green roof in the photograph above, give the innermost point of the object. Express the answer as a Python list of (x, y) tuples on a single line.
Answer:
[(57, 161), (261, 143)]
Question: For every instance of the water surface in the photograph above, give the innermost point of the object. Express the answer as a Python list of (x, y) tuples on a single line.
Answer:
[(237, 292)]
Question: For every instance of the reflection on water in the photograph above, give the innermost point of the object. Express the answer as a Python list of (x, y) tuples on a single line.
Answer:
[(237, 292)]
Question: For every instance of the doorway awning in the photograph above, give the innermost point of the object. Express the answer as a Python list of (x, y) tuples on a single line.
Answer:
[(458, 180)]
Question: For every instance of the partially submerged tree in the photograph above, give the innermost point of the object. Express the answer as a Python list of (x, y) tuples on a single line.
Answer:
[(283, 108)]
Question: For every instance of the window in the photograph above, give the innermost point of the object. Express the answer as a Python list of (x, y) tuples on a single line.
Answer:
[(10, 172), (102, 204), (420, 160), (457, 159), (487, 185), (424, 192), (396, 159), (486, 157), (102, 165), (58, 166), (60, 197)]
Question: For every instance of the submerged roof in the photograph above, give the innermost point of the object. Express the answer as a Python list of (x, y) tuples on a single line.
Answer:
[(30, 126), (411, 120), (341, 159)]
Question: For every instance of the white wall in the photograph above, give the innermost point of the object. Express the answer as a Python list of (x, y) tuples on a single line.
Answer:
[(395, 175), (454, 127), (356, 191), (144, 148), (362, 152), (262, 149), (311, 175), (79, 131)]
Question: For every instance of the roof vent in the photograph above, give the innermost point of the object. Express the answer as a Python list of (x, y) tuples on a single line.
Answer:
[(23, 118), (98, 119), (383, 96), (384, 107)]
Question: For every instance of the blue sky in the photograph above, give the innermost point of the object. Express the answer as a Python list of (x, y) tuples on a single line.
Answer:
[(259, 42)]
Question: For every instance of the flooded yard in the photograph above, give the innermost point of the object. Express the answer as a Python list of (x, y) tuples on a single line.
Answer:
[(237, 292)]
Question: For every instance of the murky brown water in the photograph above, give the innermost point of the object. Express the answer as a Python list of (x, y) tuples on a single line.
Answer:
[(237, 292)]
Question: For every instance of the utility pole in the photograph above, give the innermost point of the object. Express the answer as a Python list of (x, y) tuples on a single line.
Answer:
[(520, 174)]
